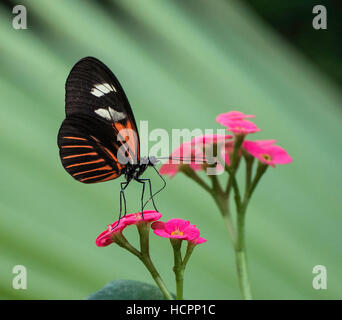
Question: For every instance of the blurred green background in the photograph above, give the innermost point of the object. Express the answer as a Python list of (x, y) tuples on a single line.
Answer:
[(181, 63)]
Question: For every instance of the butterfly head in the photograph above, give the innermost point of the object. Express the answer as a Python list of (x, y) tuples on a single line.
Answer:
[(134, 171), (152, 161)]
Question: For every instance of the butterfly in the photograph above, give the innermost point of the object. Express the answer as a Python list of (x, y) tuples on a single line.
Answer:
[(98, 140)]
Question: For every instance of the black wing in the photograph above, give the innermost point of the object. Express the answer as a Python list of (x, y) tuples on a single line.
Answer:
[(97, 113), (84, 156)]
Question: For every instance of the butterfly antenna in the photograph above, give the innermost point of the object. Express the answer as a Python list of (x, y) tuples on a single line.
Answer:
[(191, 159), (154, 194)]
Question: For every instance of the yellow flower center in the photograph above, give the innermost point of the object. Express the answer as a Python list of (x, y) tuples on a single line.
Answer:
[(177, 233), (266, 157)]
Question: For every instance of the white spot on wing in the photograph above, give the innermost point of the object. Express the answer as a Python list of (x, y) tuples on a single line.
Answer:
[(116, 115), (104, 113), (101, 89), (110, 114)]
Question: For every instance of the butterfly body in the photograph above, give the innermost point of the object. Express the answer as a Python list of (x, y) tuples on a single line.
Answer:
[(134, 171)]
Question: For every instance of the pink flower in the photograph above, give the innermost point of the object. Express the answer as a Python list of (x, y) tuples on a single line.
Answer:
[(176, 229), (134, 218), (232, 115), (241, 126), (115, 229), (267, 152), (193, 153), (265, 142), (187, 152), (225, 141), (107, 237), (169, 168)]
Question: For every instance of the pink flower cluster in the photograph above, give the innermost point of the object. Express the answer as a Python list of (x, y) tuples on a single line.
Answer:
[(235, 121), (174, 228), (193, 153), (264, 150)]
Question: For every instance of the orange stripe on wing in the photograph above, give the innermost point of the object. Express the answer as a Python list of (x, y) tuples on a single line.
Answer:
[(90, 147), (113, 176), (97, 169), (119, 126), (75, 138), (114, 158), (94, 177), (84, 163), (81, 155), (97, 140), (111, 154), (130, 138)]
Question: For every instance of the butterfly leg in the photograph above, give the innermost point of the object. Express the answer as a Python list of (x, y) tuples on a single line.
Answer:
[(122, 199), (142, 196), (122, 196), (151, 195)]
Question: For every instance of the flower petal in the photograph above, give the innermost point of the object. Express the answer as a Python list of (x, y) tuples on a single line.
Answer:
[(134, 218), (198, 240), (241, 126), (266, 152), (232, 115), (176, 224), (162, 233), (158, 225), (191, 232), (169, 169)]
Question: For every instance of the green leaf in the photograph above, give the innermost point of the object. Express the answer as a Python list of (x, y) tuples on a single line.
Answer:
[(127, 290)]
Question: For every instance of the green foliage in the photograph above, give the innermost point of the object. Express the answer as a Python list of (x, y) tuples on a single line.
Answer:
[(127, 290), (181, 63)]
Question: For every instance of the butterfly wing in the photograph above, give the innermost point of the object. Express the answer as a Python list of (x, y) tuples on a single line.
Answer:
[(99, 127), (86, 151)]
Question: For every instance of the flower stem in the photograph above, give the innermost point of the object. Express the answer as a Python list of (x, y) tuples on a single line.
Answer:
[(259, 173), (221, 197), (241, 258), (223, 205), (146, 260), (238, 239), (188, 253), (144, 229), (194, 176), (249, 167), (240, 249), (178, 268), (179, 284), (144, 255)]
